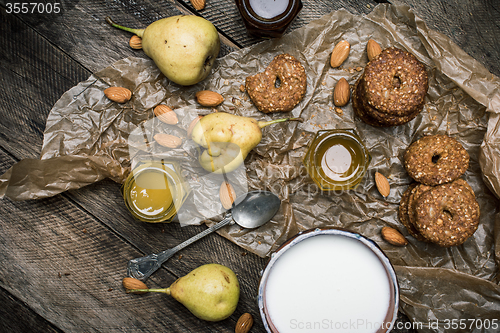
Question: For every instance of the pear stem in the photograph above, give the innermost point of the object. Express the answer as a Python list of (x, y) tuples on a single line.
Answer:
[(162, 290), (138, 32), (263, 124)]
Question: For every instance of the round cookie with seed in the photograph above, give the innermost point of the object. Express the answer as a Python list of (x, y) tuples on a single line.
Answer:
[(395, 82), (392, 89), (436, 159), (447, 214), (415, 194), (374, 117), (403, 213), (280, 87)]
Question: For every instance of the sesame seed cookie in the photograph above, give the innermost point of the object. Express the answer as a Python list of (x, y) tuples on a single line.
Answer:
[(436, 159), (395, 82), (269, 96), (447, 214), (403, 213), (392, 89), (415, 194)]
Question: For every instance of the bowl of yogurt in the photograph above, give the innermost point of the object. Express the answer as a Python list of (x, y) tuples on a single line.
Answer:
[(328, 280)]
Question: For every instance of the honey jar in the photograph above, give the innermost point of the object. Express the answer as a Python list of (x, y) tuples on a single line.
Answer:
[(337, 160), (268, 19), (154, 191)]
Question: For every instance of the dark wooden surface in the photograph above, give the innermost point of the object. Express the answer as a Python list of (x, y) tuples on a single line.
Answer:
[(63, 258)]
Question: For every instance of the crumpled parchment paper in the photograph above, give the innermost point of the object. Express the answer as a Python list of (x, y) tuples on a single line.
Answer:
[(86, 140)]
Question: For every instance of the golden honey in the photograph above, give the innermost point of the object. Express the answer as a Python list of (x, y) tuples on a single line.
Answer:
[(150, 193), (337, 160), (154, 191)]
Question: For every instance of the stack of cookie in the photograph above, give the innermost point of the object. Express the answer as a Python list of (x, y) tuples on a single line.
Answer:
[(391, 90), (440, 207)]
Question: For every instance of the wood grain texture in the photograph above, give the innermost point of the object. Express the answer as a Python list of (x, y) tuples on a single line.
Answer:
[(13, 309), (472, 25), (66, 255)]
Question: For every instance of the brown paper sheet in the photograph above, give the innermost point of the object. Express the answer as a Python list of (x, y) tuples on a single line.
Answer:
[(86, 140)]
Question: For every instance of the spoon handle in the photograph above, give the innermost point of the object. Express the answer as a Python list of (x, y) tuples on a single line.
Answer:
[(142, 268)]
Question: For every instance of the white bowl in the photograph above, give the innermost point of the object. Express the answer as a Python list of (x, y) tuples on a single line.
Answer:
[(328, 280)]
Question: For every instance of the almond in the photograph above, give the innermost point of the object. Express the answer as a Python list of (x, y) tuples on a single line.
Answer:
[(340, 53), (167, 140), (135, 42), (198, 4), (226, 195), (382, 184), (244, 324), (372, 49), (118, 94), (166, 114), (341, 93), (209, 98), (394, 237), (192, 125), (131, 284)]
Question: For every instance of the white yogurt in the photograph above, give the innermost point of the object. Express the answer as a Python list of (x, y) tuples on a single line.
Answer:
[(328, 283)]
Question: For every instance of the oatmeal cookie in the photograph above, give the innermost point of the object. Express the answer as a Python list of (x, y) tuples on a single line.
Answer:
[(392, 89), (395, 82), (403, 213), (447, 214), (280, 87), (415, 194), (375, 117), (436, 159)]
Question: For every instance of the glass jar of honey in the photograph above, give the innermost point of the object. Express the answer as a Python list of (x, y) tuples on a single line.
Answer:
[(154, 191), (337, 160), (268, 19)]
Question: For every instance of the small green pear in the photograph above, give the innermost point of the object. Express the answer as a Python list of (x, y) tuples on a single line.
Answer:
[(228, 139), (184, 47), (211, 292)]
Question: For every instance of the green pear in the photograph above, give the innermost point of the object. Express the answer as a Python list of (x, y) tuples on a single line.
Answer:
[(211, 292), (184, 47), (228, 139)]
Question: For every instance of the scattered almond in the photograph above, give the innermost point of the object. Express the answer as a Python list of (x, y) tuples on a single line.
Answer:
[(339, 111), (340, 53), (198, 4), (394, 237), (209, 98), (226, 195), (118, 94), (135, 42), (372, 49), (166, 114), (167, 140), (131, 284), (244, 324), (382, 184), (341, 93), (192, 125)]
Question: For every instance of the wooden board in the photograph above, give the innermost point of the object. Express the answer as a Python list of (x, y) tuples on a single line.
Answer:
[(64, 257)]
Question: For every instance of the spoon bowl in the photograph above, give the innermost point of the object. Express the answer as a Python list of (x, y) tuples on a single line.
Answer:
[(250, 210), (253, 209)]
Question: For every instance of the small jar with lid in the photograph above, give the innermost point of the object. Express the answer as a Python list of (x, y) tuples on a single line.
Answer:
[(337, 160), (154, 191), (268, 19)]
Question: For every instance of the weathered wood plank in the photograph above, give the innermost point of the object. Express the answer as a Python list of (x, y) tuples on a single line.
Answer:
[(472, 25), (48, 54), (94, 209), (30, 85), (68, 266), (12, 310)]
